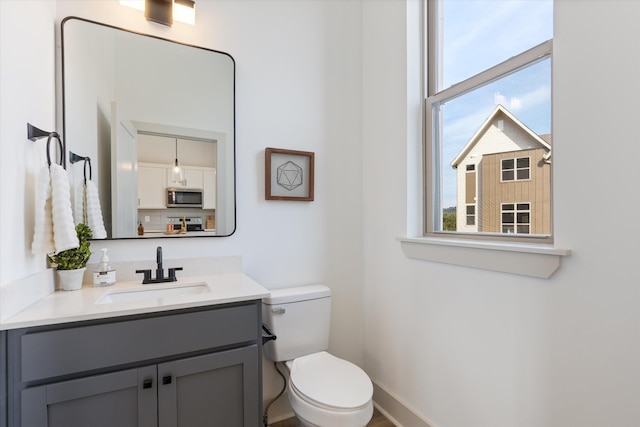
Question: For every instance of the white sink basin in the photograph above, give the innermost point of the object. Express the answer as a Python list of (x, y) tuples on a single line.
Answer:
[(149, 292)]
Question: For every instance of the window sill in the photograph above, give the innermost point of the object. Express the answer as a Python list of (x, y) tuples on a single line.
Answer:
[(524, 259)]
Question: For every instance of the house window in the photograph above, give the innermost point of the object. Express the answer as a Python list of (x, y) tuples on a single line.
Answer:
[(488, 93), (516, 218), (517, 169), (471, 214)]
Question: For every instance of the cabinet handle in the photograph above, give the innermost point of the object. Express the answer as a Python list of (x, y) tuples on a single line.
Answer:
[(147, 383), (166, 380)]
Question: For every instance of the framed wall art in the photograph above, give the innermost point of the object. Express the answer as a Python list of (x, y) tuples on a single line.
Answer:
[(288, 174)]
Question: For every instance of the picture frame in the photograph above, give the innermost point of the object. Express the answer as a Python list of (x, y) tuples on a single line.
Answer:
[(289, 174)]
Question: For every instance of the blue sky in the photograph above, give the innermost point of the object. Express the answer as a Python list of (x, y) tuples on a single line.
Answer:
[(478, 34)]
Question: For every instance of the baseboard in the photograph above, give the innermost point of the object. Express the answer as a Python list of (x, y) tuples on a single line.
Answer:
[(282, 417), (396, 411)]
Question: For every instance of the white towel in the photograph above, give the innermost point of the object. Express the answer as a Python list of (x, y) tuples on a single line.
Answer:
[(87, 210), (43, 230), (94, 212), (64, 231), (79, 199)]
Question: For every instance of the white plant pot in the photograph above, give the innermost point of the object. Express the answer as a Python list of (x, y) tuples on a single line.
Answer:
[(71, 280)]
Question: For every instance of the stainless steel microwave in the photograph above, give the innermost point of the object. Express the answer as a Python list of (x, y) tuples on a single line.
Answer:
[(184, 198)]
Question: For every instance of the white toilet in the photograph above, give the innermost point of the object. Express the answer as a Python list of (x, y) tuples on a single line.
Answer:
[(324, 390)]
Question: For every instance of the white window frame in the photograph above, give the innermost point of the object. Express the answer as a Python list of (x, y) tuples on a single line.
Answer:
[(433, 127), (528, 257), (515, 169), (515, 211), (473, 215)]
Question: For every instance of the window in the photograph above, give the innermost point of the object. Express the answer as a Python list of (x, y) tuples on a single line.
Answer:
[(516, 218), (515, 169), (488, 117), (471, 214)]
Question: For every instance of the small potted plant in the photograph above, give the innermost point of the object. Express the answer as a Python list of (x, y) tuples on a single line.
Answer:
[(72, 263)]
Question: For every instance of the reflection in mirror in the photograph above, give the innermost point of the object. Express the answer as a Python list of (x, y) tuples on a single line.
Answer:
[(133, 104)]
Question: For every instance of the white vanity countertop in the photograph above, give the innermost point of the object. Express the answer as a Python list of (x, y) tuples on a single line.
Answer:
[(72, 306)]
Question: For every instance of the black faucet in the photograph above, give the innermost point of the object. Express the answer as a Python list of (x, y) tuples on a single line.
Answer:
[(159, 271)]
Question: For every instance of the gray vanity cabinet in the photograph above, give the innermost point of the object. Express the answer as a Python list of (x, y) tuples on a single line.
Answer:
[(115, 399), (186, 386), (187, 368)]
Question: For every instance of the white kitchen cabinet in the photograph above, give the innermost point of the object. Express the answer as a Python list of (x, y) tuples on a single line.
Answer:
[(152, 186), (209, 189), (193, 178)]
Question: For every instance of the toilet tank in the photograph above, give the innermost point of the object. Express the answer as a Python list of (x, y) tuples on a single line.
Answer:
[(300, 318)]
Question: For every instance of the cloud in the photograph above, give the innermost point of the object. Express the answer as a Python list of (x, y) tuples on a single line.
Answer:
[(499, 99), (481, 33)]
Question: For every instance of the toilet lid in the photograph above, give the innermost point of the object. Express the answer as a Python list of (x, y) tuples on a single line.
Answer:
[(327, 381)]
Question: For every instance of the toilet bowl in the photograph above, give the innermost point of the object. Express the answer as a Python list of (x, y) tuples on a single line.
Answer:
[(324, 390)]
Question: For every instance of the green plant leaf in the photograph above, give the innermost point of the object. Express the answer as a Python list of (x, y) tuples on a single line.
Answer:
[(72, 259)]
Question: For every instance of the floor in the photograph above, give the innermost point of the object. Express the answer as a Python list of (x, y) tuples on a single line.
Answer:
[(378, 420)]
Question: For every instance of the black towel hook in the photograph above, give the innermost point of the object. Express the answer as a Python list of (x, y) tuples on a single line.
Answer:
[(34, 133), (73, 158), (56, 136)]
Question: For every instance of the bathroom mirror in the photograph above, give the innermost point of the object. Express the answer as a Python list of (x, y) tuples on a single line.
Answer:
[(135, 103)]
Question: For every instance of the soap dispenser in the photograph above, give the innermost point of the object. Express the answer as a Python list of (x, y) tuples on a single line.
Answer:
[(104, 274)]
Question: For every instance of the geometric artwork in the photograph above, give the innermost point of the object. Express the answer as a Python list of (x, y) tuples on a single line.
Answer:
[(289, 175)]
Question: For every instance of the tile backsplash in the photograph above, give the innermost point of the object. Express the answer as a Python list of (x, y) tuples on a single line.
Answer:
[(158, 218)]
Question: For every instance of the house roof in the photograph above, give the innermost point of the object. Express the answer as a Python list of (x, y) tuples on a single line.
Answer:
[(542, 140)]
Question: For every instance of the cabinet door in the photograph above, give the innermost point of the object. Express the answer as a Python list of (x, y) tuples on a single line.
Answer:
[(192, 178), (123, 399), (152, 187), (218, 389), (209, 190)]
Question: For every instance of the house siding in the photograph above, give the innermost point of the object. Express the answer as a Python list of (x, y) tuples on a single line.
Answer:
[(470, 188), (503, 141), (535, 191)]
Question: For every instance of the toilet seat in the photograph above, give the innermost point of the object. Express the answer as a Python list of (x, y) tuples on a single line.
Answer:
[(330, 383)]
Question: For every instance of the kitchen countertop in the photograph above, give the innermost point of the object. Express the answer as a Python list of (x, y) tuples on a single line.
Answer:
[(73, 306), (159, 233)]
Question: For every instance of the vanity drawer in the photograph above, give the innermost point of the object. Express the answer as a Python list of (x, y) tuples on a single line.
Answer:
[(70, 350)]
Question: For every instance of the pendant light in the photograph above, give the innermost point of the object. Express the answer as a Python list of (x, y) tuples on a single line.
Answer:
[(177, 174)]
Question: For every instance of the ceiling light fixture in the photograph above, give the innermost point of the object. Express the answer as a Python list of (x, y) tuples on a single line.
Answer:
[(184, 11), (177, 175), (165, 11), (160, 11)]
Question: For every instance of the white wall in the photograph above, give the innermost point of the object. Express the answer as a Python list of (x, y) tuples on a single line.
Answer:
[(595, 320), (27, 75), (298, 87), (472, 348), (461, 347)]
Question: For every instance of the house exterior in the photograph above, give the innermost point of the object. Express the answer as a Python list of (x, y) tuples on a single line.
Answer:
[(503, 179)]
